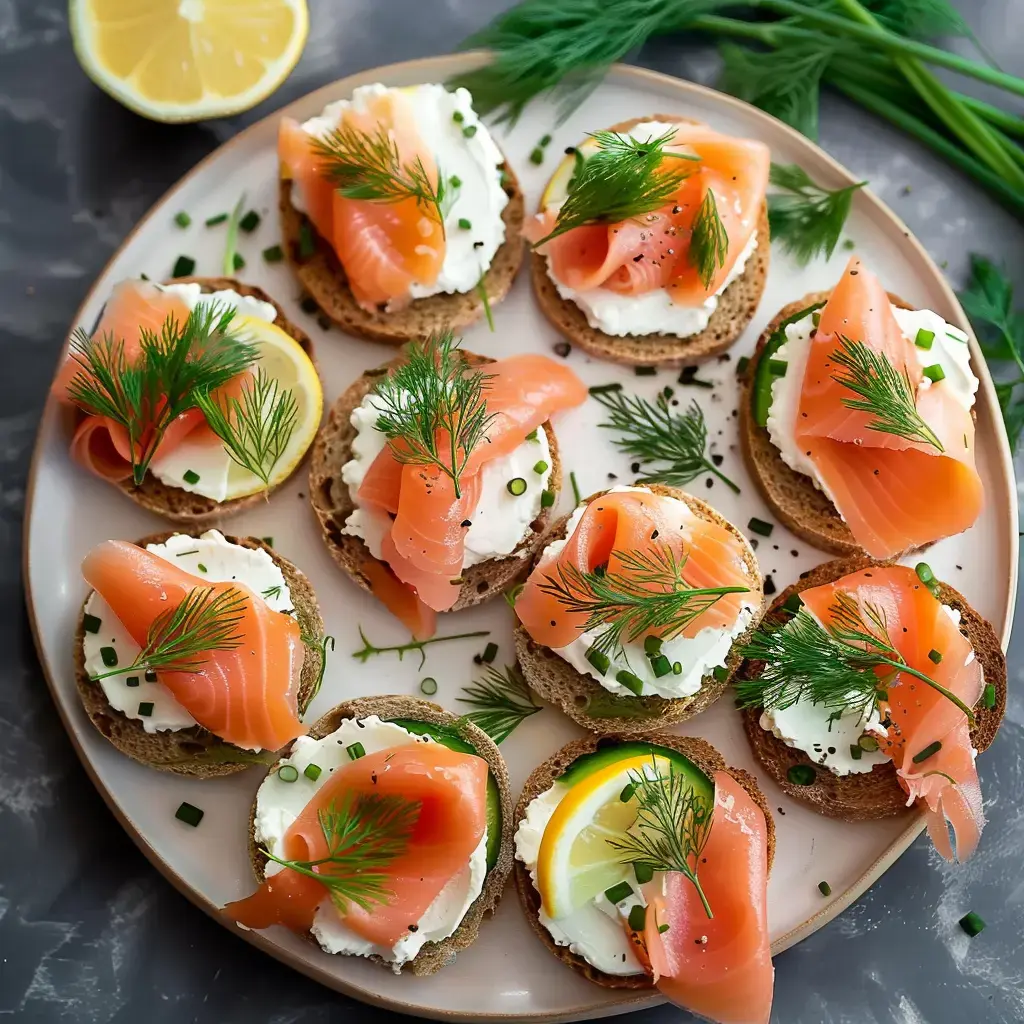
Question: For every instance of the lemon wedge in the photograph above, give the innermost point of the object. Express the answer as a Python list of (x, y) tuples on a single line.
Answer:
[(184, 60)]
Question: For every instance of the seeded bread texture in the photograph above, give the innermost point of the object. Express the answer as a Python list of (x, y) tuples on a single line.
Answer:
[(196, 751), (736, 305), (874, 794), (699, 751), (582, 697), (323, 277), (332, 503), (434, 955)]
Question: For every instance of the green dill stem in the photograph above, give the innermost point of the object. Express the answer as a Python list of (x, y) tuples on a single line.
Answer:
[(712, 468), (948, 694)]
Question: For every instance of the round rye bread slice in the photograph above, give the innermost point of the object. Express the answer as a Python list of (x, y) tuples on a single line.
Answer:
[(332, 502), (586, 701), (874, 794), (184, 507), (322, 276), (197, 751), (434, 955), (736, 305), (699, 751)]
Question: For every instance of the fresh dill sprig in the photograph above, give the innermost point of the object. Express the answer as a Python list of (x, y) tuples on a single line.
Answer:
[(672, 826), (367, 165), (257, 427), (624, 178), (433, 407), (652, 432), (321, 642), (885, 393), (709, 241), (622, 605), (834, 666), (178, 638), (271, 593), (804, 217), (173, 366), (502, 701), (364, 833), (370, 650)]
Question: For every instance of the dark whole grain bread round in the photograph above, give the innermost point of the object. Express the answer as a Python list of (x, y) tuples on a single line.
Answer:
[(874, 794), (332, 503), (580, 696), (323, 277), (434, 955), (736, 305), (699, 751), (196, 751)]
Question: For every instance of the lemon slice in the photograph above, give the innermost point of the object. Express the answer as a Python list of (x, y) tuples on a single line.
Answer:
[(575, 862), (184, 60)]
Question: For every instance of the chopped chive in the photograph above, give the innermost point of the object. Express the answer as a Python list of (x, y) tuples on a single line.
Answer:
[(307, 244), (183, 266), (91, 623), (644, 872), (924, 573), (540, 467), (547, 499), (312, 772), (935, 656), (793, 603), (604, 389), (545, 140), (662, 928), (935, 372), (825, 889), (989, 696), (778, 367), (455, 181), (237, 260), (741, 365), (288, 773), (132, 681), (146, 708), (273, 254), (149, 675), (190, 476), (801, 775), (355, 751), (201, 567), (972, 924), (599, 660), (652, 644), (856, 751), (924, 338), (536, 155), (465, 223), (869, 743), (182, 219), (428, 686), (575, 487), (661, 666), (619, 892), (516, 486), (217, 218), (637, 917), (816, 317), (269, 541), (631, 682), (929, 751), (721, 673), (760, 526), (109, 656), (250, 222), (677, 668), (189, 813), (458, 117), (627, 792), (469, 131), (182, 554), (490, 652), (646, 371), (532, 435)]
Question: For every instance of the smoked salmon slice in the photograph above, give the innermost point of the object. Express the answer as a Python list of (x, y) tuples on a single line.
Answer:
[(719, 967), (946, 780), (632, 523), (444, 792), (247, 695), (637, 256), (895, 494)]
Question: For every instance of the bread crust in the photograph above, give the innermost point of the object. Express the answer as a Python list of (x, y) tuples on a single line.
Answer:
[(332, 503), (434, 955), (874, 794), (323, 277), (702, 753), (554, 679), (191, 751), (736, 306)]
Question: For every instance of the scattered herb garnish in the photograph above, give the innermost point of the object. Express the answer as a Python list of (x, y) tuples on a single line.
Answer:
[(501, 700), (182, 219), (250, 222), (972, 924), (273, 254), (183, 266), (189, 813), (370, 650), (709, 241), (217, 218)]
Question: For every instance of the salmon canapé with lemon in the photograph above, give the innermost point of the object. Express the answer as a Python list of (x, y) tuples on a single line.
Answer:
[(612, 897), (190, 399), (393, 198), (871, 403), (381, 833), (446, 475)]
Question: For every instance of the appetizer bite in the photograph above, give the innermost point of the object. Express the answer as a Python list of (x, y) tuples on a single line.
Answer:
[(643, 862), (856, 421), (869, 688), (631, 616), (384, 833), (399, 212), (651, 244), (196, 398), (197, 652), (435, 474)]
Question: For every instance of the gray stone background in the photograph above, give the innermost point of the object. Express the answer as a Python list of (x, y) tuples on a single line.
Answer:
[(89, 932)]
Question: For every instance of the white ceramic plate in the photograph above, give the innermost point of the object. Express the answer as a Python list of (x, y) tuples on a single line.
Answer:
[(507, 972)]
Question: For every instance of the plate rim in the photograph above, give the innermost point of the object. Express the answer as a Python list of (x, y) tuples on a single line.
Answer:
[(440, 67)]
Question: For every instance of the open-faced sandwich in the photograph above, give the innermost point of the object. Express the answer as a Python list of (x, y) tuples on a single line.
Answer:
[(651, 244), (195, 398), (856, 421), (197, 653), (386, 832), (643, 862), (435, 474), (632, 614), (870, 688), (399, 212)]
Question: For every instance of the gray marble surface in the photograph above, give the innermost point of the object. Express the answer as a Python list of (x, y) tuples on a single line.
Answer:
[(89, 932)]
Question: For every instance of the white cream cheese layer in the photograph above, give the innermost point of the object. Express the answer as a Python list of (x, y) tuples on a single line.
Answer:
[(279, 803), (501, 519), (949, 350), (191, 294), (210, 557), (697, 655), (653, 312), (465, 153)]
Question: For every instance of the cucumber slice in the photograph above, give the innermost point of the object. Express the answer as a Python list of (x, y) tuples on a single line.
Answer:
[(453, 741)]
